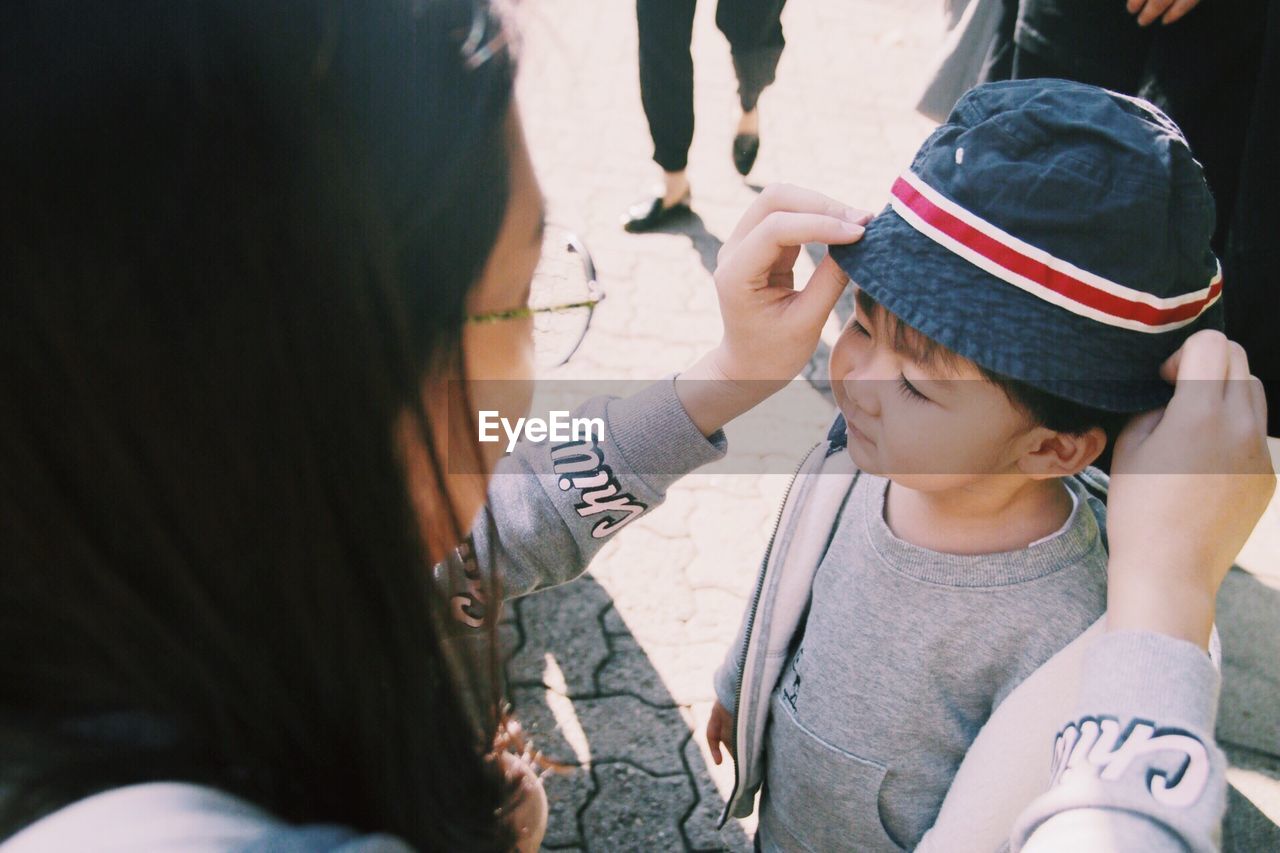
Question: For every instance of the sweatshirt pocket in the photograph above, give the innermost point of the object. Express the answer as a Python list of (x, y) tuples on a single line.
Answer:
[(818, 796)]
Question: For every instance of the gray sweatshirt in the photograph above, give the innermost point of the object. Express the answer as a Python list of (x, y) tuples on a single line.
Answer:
[(550, 509), (1164, 767), (903, 655)]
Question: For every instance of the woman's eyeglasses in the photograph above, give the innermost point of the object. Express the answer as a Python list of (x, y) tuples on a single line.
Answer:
[(563, 296)]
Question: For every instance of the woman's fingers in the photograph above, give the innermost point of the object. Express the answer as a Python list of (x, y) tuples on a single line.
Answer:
[(751, 260), (1178, 9), (1244, 390), (820, 294), (1137, 431), (788, 197), (1199, 373), (1237, 362), (1258, 402), (1167, 11), (1203, 356), (1151, 10)]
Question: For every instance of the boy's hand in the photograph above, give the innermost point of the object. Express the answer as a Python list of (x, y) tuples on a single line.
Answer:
[(1188, 485), (770, 328), (720, 731)]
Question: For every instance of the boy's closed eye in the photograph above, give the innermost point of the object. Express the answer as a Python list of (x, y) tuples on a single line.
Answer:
[(910, 391), (905, 386)]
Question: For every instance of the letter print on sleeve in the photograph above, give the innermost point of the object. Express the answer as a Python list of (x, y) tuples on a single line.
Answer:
[(580, 465), (1177, 761)]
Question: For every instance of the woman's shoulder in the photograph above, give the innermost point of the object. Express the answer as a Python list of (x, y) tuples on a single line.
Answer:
[(171, 816)]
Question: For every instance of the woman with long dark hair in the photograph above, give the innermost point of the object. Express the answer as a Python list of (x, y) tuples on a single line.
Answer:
[(247, 253)]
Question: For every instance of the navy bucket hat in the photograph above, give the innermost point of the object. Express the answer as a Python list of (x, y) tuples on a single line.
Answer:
[(1052, 232)]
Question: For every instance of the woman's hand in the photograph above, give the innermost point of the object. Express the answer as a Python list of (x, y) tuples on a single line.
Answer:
[(529, 810), (1167, 11), (1188, 485), (770, 328)]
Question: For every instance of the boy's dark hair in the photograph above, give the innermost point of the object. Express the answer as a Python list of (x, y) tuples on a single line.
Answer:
[(1048, 410)]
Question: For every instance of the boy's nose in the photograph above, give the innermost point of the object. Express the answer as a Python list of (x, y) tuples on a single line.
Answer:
[(865, 381), (862, 393)]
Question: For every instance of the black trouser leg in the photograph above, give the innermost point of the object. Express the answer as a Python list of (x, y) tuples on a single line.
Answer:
[(999, 62), (1089, 41), (666, 77), (754, 31), (1121, 77)]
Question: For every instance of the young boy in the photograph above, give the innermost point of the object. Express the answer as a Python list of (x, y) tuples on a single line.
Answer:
[(1047, 250)]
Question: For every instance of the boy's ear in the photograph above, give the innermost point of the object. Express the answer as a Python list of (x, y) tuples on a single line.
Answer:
[(1061, 454)]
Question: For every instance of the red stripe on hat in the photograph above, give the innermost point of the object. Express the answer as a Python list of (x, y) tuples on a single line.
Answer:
[(1064, 284)]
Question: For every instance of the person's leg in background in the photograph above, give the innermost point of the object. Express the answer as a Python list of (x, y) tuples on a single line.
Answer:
[(1252, 252), (1216, 73), (998, 64), (754, 31), (1089, 41), (666, 90)]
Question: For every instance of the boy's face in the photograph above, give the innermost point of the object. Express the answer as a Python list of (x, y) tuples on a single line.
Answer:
[(927, 424)]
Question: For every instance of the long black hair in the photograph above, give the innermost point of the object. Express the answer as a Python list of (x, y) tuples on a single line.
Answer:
[(234, 239)]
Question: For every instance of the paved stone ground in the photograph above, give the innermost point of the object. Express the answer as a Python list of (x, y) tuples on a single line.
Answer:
[(612, 673)]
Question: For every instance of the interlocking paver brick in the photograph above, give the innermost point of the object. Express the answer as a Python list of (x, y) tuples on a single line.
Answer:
[(625, 728), (635, 811), (538, 718), (564, 623), (700, 825), (568, 791), (661, 674)]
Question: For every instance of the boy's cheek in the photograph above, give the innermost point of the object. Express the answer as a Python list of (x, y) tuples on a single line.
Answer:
[(844, 354), (910, 450)]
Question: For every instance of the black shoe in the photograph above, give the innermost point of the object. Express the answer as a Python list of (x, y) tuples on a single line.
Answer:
[(650, 214), (745, 148)]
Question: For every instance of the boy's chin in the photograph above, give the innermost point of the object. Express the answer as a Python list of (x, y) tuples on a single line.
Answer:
[(866, 461)]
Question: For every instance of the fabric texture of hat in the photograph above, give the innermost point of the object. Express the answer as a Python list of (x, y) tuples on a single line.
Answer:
[(1055, 233)]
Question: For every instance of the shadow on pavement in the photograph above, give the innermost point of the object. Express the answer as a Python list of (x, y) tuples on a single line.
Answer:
[(588, 697), (1249, 713), (691, 226)]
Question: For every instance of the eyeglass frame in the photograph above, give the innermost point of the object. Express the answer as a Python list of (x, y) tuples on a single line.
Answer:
[(595, 295)]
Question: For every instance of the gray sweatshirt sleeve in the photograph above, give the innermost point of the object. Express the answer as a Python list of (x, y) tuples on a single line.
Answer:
[(553, 506), (1137, 768)]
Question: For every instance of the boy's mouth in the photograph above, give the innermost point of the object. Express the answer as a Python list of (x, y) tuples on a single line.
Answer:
[(855, 433), (846, 406)]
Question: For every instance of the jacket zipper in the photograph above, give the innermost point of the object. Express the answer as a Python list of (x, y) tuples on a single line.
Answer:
[(755, 603)]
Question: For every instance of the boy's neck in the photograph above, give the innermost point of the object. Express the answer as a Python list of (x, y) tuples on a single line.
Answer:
[(993, 514)]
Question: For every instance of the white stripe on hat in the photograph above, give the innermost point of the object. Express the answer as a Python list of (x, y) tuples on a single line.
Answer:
[(1038, 272)]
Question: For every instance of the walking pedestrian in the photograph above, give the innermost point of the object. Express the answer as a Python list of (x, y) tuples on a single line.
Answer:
[(754, 31)]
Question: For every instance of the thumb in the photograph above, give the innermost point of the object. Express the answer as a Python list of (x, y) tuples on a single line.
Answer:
[(819, 296), (1135, 433), (713, 741)]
